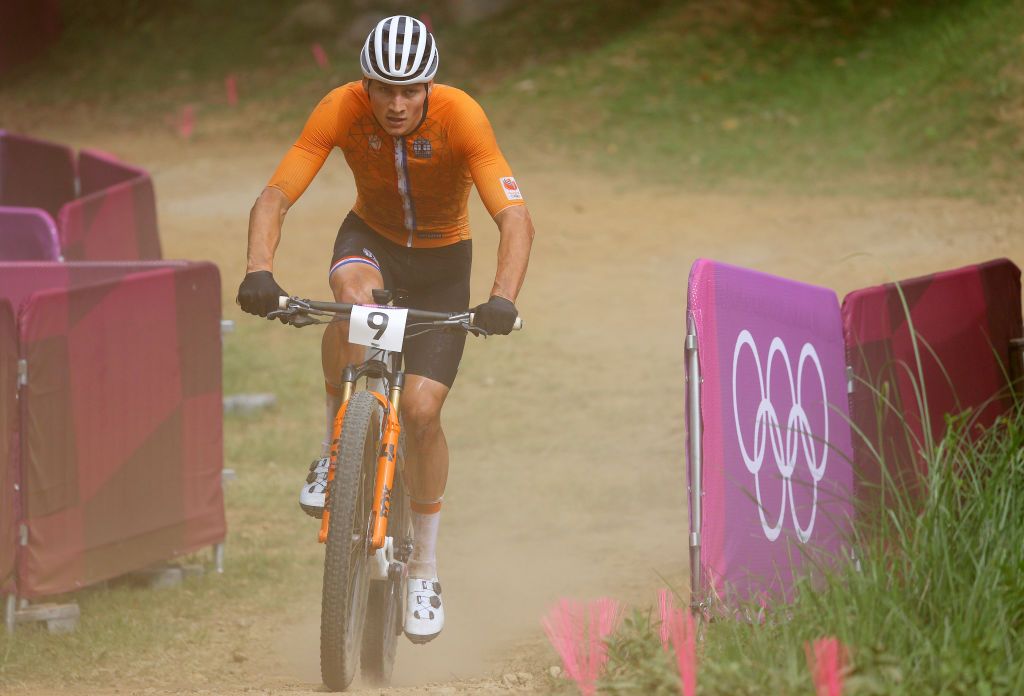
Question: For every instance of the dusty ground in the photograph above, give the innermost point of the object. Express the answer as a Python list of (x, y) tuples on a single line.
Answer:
[(585, 494)]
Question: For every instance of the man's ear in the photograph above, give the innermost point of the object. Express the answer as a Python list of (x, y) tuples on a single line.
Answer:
[(366, 85), (430, 86)]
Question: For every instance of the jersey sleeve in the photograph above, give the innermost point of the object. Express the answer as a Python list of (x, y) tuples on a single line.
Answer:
[(304, 159), (491, 173)]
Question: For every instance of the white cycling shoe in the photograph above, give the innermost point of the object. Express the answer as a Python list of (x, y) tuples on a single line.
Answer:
[(424, 614), (311, 497)]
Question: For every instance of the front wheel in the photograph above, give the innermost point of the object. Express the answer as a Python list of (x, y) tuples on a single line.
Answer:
[(346, 561)]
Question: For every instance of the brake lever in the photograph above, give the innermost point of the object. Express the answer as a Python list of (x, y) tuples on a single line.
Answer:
[(475, 330), (292, 317)]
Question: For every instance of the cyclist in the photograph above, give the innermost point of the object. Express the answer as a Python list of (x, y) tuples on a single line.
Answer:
[(415, 148)]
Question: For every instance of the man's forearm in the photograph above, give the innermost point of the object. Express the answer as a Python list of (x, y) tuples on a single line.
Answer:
[(516, 230), (265, 221)]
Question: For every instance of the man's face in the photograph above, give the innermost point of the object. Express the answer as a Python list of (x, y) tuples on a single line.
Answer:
[(398, 108)]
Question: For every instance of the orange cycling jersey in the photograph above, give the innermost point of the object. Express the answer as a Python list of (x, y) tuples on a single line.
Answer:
[(413, 189)]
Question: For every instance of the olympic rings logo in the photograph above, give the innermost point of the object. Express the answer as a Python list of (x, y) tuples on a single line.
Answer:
[(787, 442)]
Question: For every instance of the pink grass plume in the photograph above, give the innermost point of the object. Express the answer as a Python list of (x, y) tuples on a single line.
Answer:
[(186, 121), (319, 55), (231, 89), (826, 659), (578, 631), (683, 637), (665, 606)]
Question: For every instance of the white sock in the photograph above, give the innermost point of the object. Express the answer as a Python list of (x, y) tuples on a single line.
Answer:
[(333, 403), (423, 562)]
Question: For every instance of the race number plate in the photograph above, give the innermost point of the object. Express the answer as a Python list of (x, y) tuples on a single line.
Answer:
[(378, 327)]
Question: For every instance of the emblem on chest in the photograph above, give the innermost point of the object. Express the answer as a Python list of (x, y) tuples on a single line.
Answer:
[(421, 148), (374, 141)]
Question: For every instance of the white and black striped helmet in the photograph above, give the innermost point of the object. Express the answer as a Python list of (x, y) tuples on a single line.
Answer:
[(399, 51)]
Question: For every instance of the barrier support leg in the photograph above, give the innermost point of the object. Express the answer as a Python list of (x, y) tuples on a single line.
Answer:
[(695, 470), (12, 607), (218, 557)]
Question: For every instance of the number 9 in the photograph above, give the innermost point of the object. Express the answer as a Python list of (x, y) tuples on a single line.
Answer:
[(378, 321)]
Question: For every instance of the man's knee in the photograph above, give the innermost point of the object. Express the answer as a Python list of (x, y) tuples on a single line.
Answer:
[(355, 285), (421, 415), (353, 292)]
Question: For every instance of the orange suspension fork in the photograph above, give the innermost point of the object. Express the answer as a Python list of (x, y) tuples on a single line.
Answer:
[(325, 519), (386, 464), (384, 480)]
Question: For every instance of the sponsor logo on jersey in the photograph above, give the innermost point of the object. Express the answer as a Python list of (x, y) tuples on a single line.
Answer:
[(430, 235), (369, 254), (511, 188), (375, 141), (421, 148)]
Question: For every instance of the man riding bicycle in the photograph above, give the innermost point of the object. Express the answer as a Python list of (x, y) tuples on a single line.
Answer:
[(415, 148)]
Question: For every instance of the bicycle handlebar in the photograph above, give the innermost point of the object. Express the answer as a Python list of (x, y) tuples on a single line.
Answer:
[(415, 315)]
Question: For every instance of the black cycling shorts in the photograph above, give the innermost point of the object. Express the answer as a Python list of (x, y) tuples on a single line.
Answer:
[(436, 280)]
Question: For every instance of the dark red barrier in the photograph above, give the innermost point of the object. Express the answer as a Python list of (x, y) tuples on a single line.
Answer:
[(27, 234), (114, 224), (20, 280), (121, 418), (35, 173), (27, 28), (964, 320), (100, 170), (8, 426)]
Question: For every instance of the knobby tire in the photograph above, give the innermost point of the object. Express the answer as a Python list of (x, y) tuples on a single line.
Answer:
[(346, 572)]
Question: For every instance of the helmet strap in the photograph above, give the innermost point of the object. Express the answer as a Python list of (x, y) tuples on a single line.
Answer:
[(426, 105)]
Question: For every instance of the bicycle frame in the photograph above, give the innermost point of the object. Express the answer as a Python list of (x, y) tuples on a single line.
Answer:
[(296, 312)]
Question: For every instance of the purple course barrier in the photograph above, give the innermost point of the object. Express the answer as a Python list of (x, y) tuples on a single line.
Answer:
[(8, 462), (35, 173), (769, 454), (27, 234)]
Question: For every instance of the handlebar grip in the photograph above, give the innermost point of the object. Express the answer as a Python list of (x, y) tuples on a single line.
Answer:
[(517, 326), (282, 302)]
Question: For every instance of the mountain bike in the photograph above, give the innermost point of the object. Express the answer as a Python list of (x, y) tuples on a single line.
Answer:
[(366, 522)]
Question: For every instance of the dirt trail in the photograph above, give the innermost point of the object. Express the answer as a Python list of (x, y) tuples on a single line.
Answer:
[(585, 494)]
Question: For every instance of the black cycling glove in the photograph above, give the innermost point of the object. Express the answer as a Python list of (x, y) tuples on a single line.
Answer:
[(496, 316), (259, 293)]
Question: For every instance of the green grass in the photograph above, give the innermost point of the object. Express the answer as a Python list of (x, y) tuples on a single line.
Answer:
[(934, 606), (706, 97)]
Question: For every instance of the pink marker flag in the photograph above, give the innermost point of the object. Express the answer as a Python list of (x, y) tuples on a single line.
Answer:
[(826, 660), (319, 55), (683, 637), (231, 89), (187, 121), (578, 631), (665, 607)]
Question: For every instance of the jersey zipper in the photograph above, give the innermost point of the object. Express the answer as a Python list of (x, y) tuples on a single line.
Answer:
[(402, 170)]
